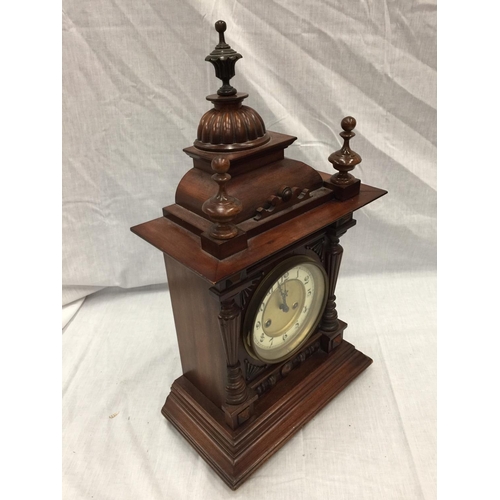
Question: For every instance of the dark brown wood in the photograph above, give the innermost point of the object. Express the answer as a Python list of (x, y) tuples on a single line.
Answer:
[(330, 325), (277, 372), (223, 251), (185, 247), (239, 404), (230, 126), (237, 414), (223, 58), (250, 227), (344, 160), (222, 208), (285, 197), (257, 225), (331, 340), (251, 189), (230, 326), (279, 414), (243, 161), (201, 351)]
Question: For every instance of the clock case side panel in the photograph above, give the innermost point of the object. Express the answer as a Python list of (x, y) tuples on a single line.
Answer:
[(282, 396), (196, 322)]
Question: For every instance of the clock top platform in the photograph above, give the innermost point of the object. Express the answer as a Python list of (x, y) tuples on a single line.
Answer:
[(243, 201)]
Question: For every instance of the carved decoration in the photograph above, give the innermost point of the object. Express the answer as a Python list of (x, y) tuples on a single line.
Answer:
[(251, 370), (228, 126), (333, 258), (229, 321), (222, 208), (224, 59), (219, 413), (285, 198), (318, 247), (267, 384), (345, 159), (286, 368), (247, 293)]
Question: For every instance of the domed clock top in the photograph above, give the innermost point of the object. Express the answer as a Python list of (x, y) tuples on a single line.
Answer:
[(229, 126)]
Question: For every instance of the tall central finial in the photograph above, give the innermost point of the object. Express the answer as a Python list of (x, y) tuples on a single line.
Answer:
[(224, 58)]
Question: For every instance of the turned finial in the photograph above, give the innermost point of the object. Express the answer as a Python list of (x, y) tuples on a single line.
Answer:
[(221, 27), (224, 58), (222, 208), (345, 159)]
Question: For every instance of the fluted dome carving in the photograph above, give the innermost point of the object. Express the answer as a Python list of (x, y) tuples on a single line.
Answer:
[(230, 126)]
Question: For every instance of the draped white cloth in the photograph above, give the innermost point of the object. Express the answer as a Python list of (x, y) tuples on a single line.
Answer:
[(134, 82)]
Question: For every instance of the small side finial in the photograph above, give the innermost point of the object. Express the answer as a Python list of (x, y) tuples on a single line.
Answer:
[(344, 160), (224, 58), (222, 208)]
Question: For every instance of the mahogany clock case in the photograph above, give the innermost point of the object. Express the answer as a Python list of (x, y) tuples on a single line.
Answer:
[(241, 212), (235, 439), (135, 82)]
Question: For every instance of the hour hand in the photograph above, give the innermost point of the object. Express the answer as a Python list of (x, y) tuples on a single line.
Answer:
[(284, 307)]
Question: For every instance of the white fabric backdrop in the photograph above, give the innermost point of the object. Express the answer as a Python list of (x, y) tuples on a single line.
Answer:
[(375, 441), (134, 82)]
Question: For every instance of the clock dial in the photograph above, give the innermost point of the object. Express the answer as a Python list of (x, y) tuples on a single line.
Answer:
[(286, 309)]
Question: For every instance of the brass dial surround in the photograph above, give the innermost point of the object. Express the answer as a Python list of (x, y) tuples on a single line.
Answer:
[(285, 309)]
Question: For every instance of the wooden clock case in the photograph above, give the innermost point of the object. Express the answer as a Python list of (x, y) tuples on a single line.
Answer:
[(224, 234)]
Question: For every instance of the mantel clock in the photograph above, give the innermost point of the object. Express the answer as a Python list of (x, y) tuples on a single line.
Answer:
[(253, 240)]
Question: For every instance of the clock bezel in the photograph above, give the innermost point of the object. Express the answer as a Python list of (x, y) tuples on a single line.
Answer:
[(260, 292)]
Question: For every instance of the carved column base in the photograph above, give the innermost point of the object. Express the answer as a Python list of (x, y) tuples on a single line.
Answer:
[(331, 339), (330, 321), (235, 415), (236, 388)]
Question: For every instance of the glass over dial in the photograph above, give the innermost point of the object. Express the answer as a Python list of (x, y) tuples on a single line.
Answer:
[(287, 309)]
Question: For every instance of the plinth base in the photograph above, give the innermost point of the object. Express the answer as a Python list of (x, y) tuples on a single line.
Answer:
[(278, 415)]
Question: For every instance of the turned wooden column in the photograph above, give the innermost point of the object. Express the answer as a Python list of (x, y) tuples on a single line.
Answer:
[(239, 403), (229, 321), (330, 325), (333, 259)]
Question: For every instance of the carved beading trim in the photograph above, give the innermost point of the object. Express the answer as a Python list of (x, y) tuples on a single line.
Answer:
[(285, 198), (286, 368)]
